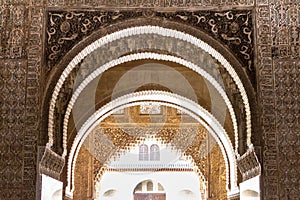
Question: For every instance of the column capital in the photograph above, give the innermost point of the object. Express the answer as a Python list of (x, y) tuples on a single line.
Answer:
[(51, 164)]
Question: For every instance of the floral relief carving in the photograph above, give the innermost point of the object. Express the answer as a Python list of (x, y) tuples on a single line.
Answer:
[(278, 65), (287, 106), (151, 3), (65, 29), (12, 41), (232, 28), (17, 148), (12, 117)]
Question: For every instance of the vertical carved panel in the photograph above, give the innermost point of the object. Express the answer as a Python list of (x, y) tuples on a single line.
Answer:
[(217, 175), (287, 73), (32, 101), (19, 88), (12, 88), (285, 29), (278, 62), (267, 94), (84, 175), (13, 64)]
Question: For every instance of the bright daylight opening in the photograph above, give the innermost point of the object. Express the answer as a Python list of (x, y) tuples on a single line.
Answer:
[(164, 155)]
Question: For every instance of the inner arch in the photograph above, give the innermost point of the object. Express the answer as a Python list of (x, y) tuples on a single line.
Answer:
[(172, 100)]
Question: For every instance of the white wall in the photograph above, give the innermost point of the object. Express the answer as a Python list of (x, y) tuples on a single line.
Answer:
[(51, 188), (249, 189), (173, 182)]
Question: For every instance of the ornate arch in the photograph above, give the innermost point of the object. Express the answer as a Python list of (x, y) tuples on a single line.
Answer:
[(141, 56), (165, 98), (142, 31), (190, 36)]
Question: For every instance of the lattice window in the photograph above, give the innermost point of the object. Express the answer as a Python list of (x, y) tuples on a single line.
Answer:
[(154, 152), (149, 186), (143, 152)]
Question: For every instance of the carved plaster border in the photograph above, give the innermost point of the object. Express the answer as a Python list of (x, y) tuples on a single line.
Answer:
[(147, 30), (165, 98), (140, 56)]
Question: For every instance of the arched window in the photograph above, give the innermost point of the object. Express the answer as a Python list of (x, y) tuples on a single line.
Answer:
[(154, 152), (150, 186), (143, 152), (160, 187), (149, 190)]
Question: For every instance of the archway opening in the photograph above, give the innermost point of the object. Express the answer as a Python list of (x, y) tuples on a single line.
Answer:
[(188, 156), (210, 61)]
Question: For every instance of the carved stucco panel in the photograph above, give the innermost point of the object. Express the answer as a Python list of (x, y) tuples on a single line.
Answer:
[(287, 73), (233, 29), (267, 94), (13, 38), (15, 179), (33, 90), (278, 64), (151, 3), (12, 89)]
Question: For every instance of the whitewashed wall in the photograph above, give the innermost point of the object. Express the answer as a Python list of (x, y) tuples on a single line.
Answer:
[(51, 188)]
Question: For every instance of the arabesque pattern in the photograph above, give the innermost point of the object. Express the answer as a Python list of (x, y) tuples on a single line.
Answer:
[(278, 37)]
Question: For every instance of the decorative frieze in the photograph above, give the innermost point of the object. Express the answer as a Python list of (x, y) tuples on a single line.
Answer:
[(232, 28), (151, 3)]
